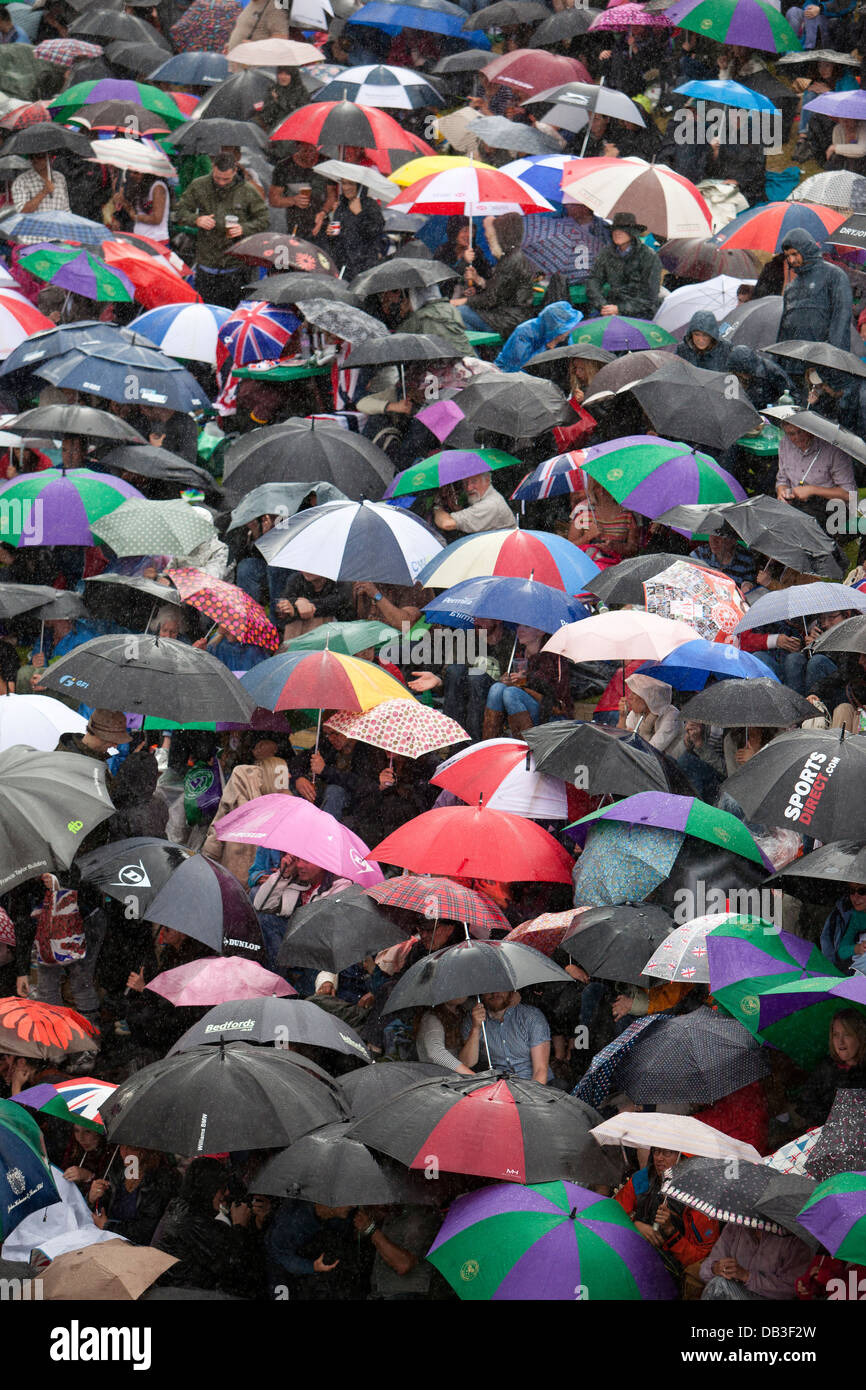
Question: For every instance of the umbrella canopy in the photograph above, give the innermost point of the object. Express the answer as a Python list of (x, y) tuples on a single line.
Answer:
[(623, 636), (530, 70), (646, 474), (321, 680), (278, 249), (49, 803), (448, 466), (493, 1126), (29, 1185), (706, 1185), (624, 583), (158, 881), (345, 639), (302, 285), (401, 347), (614, 943), (471, 967), (543, 173), (54, 421), (187, 331), (216, 980), (841, 1143), (547, 932), (297, 827), (428, 16), (77, 1101), (473, 190), (441, 899), (216, 1099), (685, 814), (815, 877), (340, 123), (402, 727), (698, 1057), (765, 228), (697, 258), (46, 138), (662, 200), (835, 1213), (87, 94), (274, 52), (305, 451), (331, 1167), (679, 1133), (577, 102), (282, 500), (476, 843), (797, 1016), (148, 373), (141, 527), (540, 556), (37, 721), (667, 398), (108, 1271), (205, 136), (718, 296), (619, 333), (837, 188), (563, 25), (804, 779), (791, 537), (761, 703), (547, 1241), (518, 601), (353, 540), (342, 320), (602, 760), (501, 774), (255, 332), (54, 507), (848, 636), (151, 675), (194, 68), (781, 1201), (156, 281), (726, 93), (270, 1020), (18, 320), (401, 273), (512, 403), (234, 610), (805, 600), (792, 1157), (47, 1031), (381, 85), (498, 133), (334, 932), (710, 602), (753, 23), (820, 354)]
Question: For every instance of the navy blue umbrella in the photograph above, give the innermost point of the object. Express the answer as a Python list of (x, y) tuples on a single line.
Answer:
[(509, 600), (25, 1178), (194, 69), (123, 372), (690, 666), (54, 342)]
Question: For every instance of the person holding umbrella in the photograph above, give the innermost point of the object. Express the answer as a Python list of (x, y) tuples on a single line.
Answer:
[(353, 229), (627, 276), (843, 936), (517, 1034), (681, 1235)]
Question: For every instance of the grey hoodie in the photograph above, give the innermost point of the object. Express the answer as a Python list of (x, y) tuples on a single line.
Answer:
[(715, 359), (818, 301)]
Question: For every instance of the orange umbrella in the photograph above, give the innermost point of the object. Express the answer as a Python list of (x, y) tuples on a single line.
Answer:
[(48, 1031), (154, 280)]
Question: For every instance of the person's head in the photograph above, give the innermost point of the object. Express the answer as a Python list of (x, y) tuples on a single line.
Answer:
[(664, 1159), (646, 695), (205, 1185), (349, 189), (598, 125), (625, 229), (89, 1139), (476, 486), (434, 934), (5, 20), (745, 293), (50, 301), (580, 213), (309, 872), (723, 545), (497, 1001), (800, 250), (106, 729), (306, 155), (259, 525), (326, 983), (169, 622), (284, 77), (826, 71), (857, 895), (72, 451), (848, 1038), (264, 747), (509, 231), (530, 638), (223, 169), (801, 439)]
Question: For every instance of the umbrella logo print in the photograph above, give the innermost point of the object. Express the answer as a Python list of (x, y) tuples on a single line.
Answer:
[(132, 876), (613, 474), (469, 1270), (750, 1004), (16, 1181)]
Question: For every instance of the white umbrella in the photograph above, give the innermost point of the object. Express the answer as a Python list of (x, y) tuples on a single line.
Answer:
[(664, 201), (274, 53), (139, 155), (682, 956), (521, 790), (36, 720), (717, 296), (382, 189), (682, 1133)]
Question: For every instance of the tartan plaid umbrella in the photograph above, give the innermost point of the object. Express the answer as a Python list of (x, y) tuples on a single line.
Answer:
[(51, 226), (402, 727), (34, 113), (228, 605), (65, 52), (547, 932), (441, 899)]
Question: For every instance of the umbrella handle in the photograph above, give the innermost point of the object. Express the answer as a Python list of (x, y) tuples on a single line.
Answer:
[(589, 117)]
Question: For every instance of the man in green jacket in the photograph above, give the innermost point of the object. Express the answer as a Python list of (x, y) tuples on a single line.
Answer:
[(627, 276), (223, 208)]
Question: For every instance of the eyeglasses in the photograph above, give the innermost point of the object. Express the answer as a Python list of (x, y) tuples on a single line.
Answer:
[(857, 890)]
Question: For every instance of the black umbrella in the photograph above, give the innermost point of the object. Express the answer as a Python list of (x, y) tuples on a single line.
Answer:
[(726, 1191), (587, 351), (600, 759), (151, 675), (53, 420), (759, 703), (279, 1021), (149, 461), (783, 1199), (513, 403), (301, 285), (366, 1088), (821, 428), (817, 877), (615, 943), (208, 136), (219, 1099), (306, 451), (235, 97), (49, 803), (668, 398), (623, 583), (698, 1057), (819, 355), (841, 1145), (847, 636), (756, 323), (330, 1167), (558, 28), (54, 342), (335, 932), (810, 780), (401, 347), (158, 881), (21, 598), (769, 527), (401, 273), (108, 24), (135, 57), (621, 373), (493, 1126), (471, 967), (47, 138), (469, 60), (128, 599), (507, 13)]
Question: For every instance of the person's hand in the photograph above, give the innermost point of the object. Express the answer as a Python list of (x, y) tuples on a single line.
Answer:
[(367, 1000), (234, 231), (478, 1015), (240, 1213), (261, 1209), (19, 1077), (802, 491), (744, 755), (321, 1268), (801, 84), (285, 608), (201, 643), (317, 764), (424, 680), (38, 660), (812, 11), (611, 150), (22, 986), (654, 1237), (577, 972), (621, 1006), (469, 255), (301, 200), (100, 1219), (367, 588), (361, 1219), (403, 407), (75, 1174), (605, 54), (459, 301), (789, 644), (608, 310), (304, 608), (98, 1189), (387, 778), (515, 678), (663, 1216), (205, 222), (622, 705), (135, 980), (305, 788), (693, 734)]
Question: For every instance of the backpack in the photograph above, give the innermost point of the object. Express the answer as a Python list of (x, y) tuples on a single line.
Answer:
[(59, 928)]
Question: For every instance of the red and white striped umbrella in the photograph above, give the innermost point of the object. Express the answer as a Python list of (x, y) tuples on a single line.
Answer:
[(19, 320), (501, 774), (665, 202), (471, 189)]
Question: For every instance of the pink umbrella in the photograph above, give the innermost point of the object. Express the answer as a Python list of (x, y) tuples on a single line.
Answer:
[(629, 16), (400, 727), (295, 826), (216, 980), (622, 636)]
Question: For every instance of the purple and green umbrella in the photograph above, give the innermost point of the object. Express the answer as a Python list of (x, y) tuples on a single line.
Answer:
[(78, 271), (448, 466), (796, 1017), (77, 1101), (552, 1241), (752, 23), (748, 956), (687, 815), (620, 334), (113, 89), (57, 508), (645, 474), (836, 1215)]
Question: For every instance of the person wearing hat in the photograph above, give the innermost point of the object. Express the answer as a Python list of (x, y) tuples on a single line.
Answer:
[(505, 299), (626, 278), (326, 986)]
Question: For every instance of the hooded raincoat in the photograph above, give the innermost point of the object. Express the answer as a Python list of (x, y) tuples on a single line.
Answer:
[(817, 301)]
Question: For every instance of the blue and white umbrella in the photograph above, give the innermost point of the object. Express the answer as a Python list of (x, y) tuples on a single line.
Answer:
[(802, 601), (399, 89), (352, 541), (52, 226), (724, 93), (194, 68), (188, 331), (517, 601), (541, 172), (123, 373), (690, 666)]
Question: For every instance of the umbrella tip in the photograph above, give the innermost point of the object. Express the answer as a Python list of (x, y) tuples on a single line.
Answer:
[(572, 1215)]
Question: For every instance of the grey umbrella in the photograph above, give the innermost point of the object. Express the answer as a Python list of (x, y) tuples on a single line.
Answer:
[(65, 604), (819, 355), (669, 395), (511, 403), (330, 1167), (206, 136), (820, 55), (587, 351), (401, 273), (506, 14), (367, 1087), (23, 598), (759, 703), (151, 461), (827, 430), (46, 138), (623, 583), (557, 28), (584, 99), (289, 288), (49, 803), (342, 320), (281, 500), (768, 526), (401, 347), (50, 421), (470, 60), (498, 133), (272, 1020), (757, 324), (699, 1057), (624, 371), (783, 1199), (306, 451), (335, 169)]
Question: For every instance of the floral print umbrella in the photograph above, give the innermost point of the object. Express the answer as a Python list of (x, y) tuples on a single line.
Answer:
[(400, 726)]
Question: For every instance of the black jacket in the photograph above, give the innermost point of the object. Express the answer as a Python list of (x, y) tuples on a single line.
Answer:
[(632, 282), (212, 1255), (359, 244), (817, 301), (816, 1098)]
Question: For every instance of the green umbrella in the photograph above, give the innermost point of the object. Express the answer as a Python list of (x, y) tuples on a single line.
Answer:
[(346, 638), (648, 474), (154, 528), (683, 813), (836, 1214), (77, 269), (751, 23), (797, 1017), (56, 507), (107, 89), (449, 466)]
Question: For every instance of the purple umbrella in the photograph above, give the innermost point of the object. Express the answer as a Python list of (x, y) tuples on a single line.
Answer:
[(57, 508), (688, 815), (849, 106)]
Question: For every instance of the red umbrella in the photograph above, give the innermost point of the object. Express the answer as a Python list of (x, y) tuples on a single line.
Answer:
[(342, 123), (185, 101), (472, 842), (441, 899), (154, 280), (34, 113), (531, 70), (154, 249)]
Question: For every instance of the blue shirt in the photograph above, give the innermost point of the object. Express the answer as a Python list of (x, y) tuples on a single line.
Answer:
[(512, 1037)]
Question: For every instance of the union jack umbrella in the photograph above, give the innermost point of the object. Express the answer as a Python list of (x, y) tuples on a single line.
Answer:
[(554, 478), (683, 954), (255, 332), (442, 900), (228, 605)]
